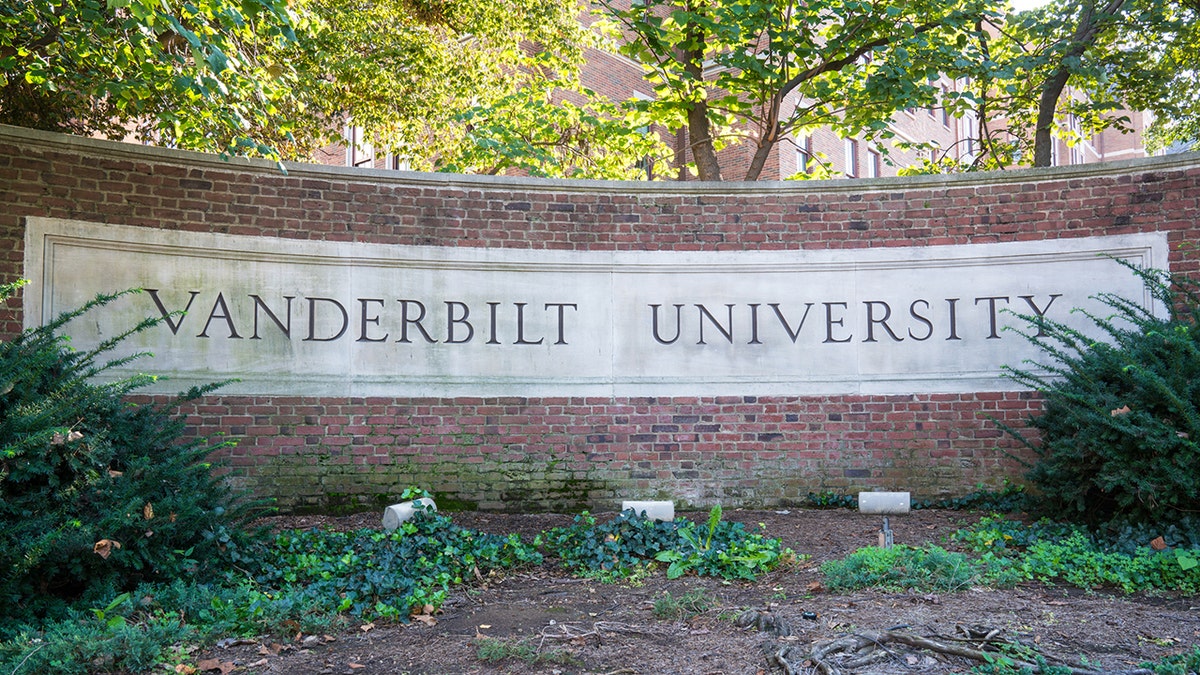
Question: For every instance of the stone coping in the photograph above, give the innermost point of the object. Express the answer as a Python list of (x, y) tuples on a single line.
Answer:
[(134, 152)]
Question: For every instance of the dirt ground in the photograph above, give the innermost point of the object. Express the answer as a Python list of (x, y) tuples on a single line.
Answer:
[(567, 625)]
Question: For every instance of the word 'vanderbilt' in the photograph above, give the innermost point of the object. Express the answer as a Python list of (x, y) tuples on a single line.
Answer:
[(457, 322)]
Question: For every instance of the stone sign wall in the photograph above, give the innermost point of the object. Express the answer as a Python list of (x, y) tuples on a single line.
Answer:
[(516, 343)]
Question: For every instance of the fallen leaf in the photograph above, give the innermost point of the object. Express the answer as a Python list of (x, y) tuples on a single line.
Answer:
[(148, 511), (104, 547), (425, 619), (74, 436), (1123, 410), (185, 669), (115, 474), (173, 516), (209, 664), (366, 627), (354, 666), (256, 664), (814, 587), (485, 625), (57, 439), (1158, 544)]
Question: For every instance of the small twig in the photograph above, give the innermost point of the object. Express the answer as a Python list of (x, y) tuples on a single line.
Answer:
[(27, 656)]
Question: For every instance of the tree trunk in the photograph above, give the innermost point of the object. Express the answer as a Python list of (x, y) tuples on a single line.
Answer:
[(768, 140), (699, 128), (700, 135), (1043, 141), (1091, 22)]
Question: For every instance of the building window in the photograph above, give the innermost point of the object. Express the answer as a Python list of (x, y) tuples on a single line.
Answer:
[(945, 106), (851, 157), (1076, 144), (359, 152), (874, 163), (804, 155)]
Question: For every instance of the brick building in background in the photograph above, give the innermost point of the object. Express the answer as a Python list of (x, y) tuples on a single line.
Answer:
[(620, 78)]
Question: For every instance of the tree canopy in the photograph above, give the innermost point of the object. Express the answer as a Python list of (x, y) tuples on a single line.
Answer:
[(486, 87), (192, 75), (467, 86), (438, 82), (756, 71)]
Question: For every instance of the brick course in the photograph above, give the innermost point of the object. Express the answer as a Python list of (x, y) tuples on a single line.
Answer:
[(575, 452)]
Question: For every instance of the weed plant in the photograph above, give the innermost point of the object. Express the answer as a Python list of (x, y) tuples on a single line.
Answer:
[(676, 608), (931, 569), (495, 650)]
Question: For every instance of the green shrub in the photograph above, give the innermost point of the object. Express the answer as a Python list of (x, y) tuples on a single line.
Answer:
[(629, 542), (1121, 421), (901, 568), (96, 494), (80, 644), (373, 574), (1177, 664)]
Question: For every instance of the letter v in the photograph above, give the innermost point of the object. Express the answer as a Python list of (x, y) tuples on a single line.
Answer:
[(173, 325)]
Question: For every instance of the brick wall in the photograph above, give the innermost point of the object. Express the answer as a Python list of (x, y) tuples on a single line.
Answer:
[(567, 453)]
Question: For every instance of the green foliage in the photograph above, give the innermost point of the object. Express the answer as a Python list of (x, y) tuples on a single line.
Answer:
[(627, 543), (1178, 664), (495, 650), (831, 500), (141, 629), (1047, 551), (373, 574), (83, 645), (1008, 499), (1121, 421), (1066, 71), (540, 132), (96, 494), (901, 568), (463, 86), (1001, 664), (725, 69), (195, 74)]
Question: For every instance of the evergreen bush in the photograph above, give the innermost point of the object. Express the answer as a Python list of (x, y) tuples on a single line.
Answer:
[(98, 494), (1120, 425)]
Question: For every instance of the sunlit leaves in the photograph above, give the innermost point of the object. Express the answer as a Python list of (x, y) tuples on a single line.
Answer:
[(190, 74), (771, 67)]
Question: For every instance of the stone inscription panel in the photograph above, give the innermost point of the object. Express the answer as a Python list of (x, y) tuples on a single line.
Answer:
[(289, 317)]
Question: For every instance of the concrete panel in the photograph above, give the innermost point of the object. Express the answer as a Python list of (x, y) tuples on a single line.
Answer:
[(292, 317)]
